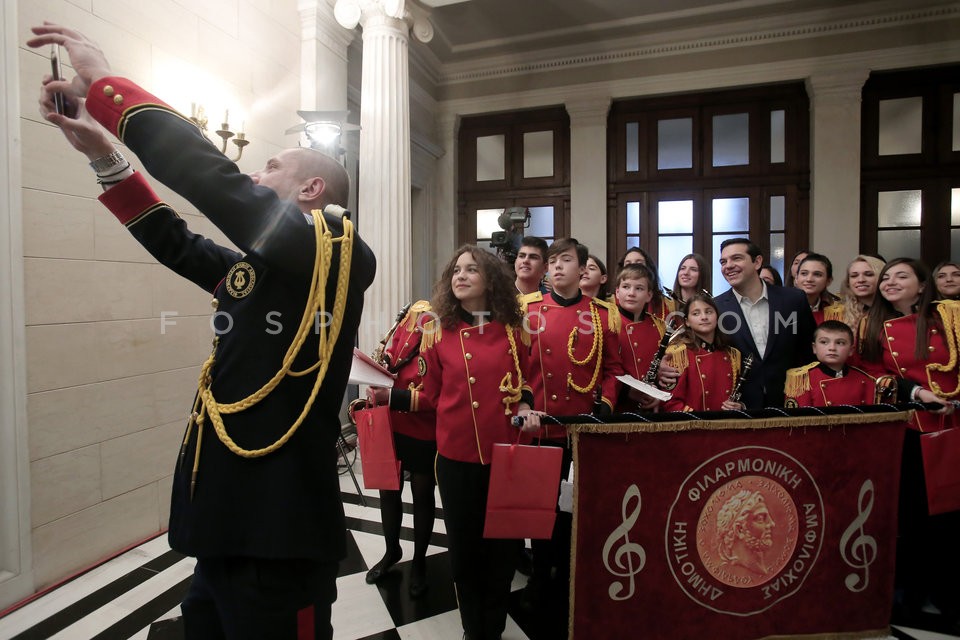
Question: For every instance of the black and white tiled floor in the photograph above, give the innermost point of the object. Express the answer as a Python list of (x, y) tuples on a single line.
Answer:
[(137, 594)]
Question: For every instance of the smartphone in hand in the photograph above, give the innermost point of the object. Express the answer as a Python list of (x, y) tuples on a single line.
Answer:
[(58, 100)]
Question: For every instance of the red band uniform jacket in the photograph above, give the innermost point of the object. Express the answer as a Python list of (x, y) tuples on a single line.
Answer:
[(936, 371), (285, 504), (570, 359), (466, 371), (402, 356), (707, 377), (639, 340), (817, 385)]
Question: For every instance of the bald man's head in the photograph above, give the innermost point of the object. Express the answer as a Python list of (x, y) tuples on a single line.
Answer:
[(307, 177)]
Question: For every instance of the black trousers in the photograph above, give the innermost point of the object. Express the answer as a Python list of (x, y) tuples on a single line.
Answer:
[(482, 568), (256, 598)]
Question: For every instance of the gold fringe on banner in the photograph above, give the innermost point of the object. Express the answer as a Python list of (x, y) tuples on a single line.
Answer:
[(877, 634), (743, 424)]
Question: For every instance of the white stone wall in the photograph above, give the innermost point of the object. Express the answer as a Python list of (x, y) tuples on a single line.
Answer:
[(107, 390)]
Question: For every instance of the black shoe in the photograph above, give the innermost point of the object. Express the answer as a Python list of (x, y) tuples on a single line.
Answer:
[(381, 568), (418, 579)]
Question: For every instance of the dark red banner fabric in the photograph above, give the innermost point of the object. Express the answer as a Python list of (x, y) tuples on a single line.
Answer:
[(735, 533)]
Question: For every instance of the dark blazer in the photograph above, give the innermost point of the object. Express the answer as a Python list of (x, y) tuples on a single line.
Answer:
[(285, 504), (789, 342)]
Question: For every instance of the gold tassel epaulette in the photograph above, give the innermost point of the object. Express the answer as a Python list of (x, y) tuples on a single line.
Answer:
[(526, 299), (678, 356), (432, 332), (834, 312), (660, 324), (413, 313), (949, 311), (798, 380), (613, 315)]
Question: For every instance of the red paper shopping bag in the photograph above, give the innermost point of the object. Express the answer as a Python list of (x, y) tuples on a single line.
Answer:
[(941, 469), (381, 469), (522, 498)]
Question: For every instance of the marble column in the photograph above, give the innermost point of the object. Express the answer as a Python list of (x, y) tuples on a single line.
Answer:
[(588, 170), (835, 163)]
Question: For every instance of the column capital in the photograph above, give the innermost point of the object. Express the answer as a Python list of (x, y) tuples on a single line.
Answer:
[(350, 13), (317, 22), (588, 109), (837, 85)]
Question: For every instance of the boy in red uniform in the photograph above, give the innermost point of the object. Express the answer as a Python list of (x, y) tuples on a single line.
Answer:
[(640, 332), (830, 381), (575, 357)]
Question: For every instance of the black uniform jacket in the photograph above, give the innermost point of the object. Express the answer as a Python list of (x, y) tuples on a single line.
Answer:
[(788, 342), (285, 504)]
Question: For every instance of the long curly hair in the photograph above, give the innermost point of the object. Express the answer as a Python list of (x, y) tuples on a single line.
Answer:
[(498, 280)]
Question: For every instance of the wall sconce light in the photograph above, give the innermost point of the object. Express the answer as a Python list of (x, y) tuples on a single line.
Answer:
[(324, 129), (199, 117)]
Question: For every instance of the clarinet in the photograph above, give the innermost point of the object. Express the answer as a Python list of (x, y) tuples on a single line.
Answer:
[(745, 367), (654, 369), (377, 354)]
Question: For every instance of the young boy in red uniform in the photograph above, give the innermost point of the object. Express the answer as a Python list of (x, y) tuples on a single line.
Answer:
[(640, 332), (574, 358), (830, 381)]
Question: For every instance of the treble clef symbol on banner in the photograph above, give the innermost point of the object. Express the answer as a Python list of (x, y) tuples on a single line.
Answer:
[(625, 564), (862, 550)]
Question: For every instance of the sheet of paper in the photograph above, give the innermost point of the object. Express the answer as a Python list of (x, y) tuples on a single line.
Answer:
[(642, 386), (363, 370)]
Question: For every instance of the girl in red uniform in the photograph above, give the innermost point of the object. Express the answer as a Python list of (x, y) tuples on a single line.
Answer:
[(471, 360), (909, 336), (708, 366), (814, 275), (859, 289), (415, 440)]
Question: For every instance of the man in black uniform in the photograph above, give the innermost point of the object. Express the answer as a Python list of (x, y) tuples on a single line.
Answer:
[(255, 490)]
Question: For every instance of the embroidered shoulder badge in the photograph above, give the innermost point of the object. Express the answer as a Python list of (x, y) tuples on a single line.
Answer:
[(421, 366), (240, 280)]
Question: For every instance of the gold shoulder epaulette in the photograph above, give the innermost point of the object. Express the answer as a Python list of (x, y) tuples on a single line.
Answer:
[(678, 356), (432, 332), (526, 298), (413, 313), (798, 380), (660, 324), (613, 314), (834, 312)]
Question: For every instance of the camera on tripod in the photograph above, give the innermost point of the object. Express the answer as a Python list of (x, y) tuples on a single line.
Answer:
[(506, 243)]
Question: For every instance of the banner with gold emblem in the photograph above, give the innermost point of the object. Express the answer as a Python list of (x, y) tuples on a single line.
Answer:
[(736, 530)]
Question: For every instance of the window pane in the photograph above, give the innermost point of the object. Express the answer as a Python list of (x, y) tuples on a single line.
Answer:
[(485, 244), (956, 122), (954, 243), (955, 206), (487, 222), (731, 140), (675, 144), (675, 216), (491, 158), (901, 123), (633, 218), (541, 222), (777, 136), (633, 146), (776, 252), (719, 283), (731, 214), (899, 243), (672, 249), (778, 207), (537, 154), (898, 209)]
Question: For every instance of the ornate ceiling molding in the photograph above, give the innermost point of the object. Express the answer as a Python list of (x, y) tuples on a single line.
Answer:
[(625, 51)]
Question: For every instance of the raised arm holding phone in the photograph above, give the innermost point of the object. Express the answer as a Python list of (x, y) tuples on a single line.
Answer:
[(255, 489)]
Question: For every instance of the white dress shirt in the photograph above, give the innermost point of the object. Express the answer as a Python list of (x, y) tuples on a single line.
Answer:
[(757, 314)]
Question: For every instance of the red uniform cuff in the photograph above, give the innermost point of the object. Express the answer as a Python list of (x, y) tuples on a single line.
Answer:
[(130, 199), (111, 99)]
